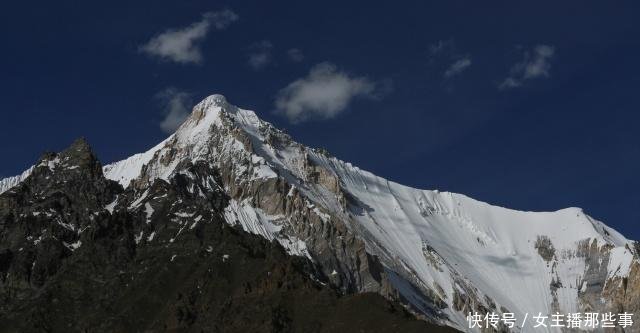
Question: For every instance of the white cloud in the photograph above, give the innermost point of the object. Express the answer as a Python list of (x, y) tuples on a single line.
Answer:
[(322, 94), (177, 106), (182, 45), (510, 83), (260, 54), (540, 65), (458, 67), (295, 55), (535, 64)]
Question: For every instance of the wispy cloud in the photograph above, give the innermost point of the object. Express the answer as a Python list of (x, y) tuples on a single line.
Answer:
[(323, 93), (176, 108), (260, 54), (458, 67), (295, 55), (183, 45), (536, 63), (444, 53)]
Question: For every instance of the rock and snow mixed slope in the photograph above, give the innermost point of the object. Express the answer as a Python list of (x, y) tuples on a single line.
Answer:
[(442, 253), (79, 253)]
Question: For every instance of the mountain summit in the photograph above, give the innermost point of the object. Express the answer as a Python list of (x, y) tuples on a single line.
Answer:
[(441, 254)]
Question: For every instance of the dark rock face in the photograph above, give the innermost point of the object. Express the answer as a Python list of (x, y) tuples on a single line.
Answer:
[(78, 253), (545, 248)]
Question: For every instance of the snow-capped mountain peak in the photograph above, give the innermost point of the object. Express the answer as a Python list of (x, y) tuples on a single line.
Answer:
[(443, 254)]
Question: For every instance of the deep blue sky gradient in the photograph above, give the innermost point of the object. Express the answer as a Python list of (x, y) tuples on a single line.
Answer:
[(72, 68)]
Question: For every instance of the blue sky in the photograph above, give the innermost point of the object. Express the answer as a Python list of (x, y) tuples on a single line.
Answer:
[(529, 105)]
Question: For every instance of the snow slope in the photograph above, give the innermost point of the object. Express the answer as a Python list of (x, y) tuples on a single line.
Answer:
[(10, 182), (128, 169)]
